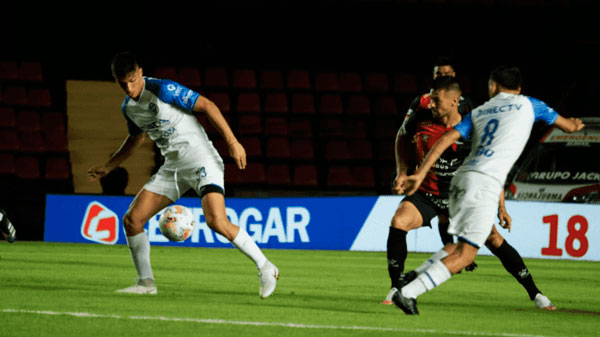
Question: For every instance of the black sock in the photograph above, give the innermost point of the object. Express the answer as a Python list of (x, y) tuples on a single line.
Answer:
[(513, 263), (443, 229), (396, 254)]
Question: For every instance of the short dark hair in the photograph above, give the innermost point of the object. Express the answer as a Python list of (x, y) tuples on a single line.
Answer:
[(123, 63), (443, 61), (446, 83), (508, 77)]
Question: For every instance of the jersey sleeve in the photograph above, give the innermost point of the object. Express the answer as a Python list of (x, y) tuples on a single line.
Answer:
[(465, 126), (174, 93), (133, 129), (543, 112)]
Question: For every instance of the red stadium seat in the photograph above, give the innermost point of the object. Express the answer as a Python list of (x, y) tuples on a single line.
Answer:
[(53, 121), (39, 98), (298, 79), (355, 129), (252, 145), (7, 164), (330, 128), (244, 79), (300, 128), (358, 105), (302, 149), (221, 99), (189, 77), (278, 147), (305, 175), (15, 95), (57, 168), (56, 141), (254, 174), (276, 103), (278, 174), (9, 71), (9, 140), (221, 145), (377, 82), (216, 77), (31, 141), (276, 126), (8, 118), (337, 150), (31, 71), (331, 104), (271, 79), (28, 121), (27, 168), (303, 104), (249, 125), (248, 102), (350, 82), (405, 83), (363, 177), (384, 129), (339, 176), (327, 82), (168, 73), (361, 149), (386, 106), (233, 175)]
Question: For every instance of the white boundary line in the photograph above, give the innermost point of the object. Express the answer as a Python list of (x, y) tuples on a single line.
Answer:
[(267, 324)]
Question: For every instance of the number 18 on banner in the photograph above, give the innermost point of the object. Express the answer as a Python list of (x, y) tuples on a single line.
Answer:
[(576, 243)]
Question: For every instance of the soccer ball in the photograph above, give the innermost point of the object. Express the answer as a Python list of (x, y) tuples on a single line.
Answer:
[(176, 223)]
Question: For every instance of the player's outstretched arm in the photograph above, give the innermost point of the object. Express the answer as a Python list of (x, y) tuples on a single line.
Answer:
[(412, 183), (127, 148), (236, 150), (569, 124)]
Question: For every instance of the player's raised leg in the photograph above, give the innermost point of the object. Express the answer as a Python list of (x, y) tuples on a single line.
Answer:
[(213, 204), (145, 205)]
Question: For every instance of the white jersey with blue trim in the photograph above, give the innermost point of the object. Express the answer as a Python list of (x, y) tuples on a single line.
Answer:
[(499, 130), (164, 112)]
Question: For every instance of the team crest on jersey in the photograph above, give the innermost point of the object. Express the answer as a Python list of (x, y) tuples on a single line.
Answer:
[(425, 137), (170, 87), (153, 108)]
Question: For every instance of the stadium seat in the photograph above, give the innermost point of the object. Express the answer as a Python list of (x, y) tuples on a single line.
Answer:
[(303, 104), (8, 118), (244, 79), (9, 140), (15, 95), (302, 149), (339, 176), (27, 167), (298, 79), (249, 125), (167, 73), (271, 80), (252, 145), (358, 105), (276, 126), (405, 83), (7, 164), (28, 121), (305, 175), (31, 71), (253, 174), (221, 145), (386, 106), (337, 150), (39, 98), (363, 176), (377, 82), (386, 176), (221, 99), (331, 104), (216, 77), (330, 128), (9, 71), (189, 77), (386, 150), (232, 175), (278, 147), (360, 149), (384, 129), (327, 82), (53, 121), (56, 141), (248, 102), (57, 168), (32, 142), (276, 103), (279, 175), (355, 129), (350, 82), (300, 128)]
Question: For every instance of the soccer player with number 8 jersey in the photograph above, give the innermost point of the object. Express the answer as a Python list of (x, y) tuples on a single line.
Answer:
[(498, 130)]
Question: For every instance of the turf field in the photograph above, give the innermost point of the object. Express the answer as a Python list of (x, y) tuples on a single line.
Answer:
[(49, 289)]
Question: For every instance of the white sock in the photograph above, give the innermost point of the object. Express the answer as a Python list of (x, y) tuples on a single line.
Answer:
[(440, 254), (244, 243), (140, 253), (435, 275)]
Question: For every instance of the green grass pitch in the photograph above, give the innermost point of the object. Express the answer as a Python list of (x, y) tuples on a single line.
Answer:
[(49, 289)]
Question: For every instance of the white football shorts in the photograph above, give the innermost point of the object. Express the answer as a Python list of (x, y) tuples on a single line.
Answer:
[(174, 183), (473, 209)]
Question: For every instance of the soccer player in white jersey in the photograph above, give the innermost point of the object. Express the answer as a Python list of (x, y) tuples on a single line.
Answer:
[(499, 130), (164, 110)]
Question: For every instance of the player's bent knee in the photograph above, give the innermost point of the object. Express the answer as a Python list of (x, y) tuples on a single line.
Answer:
[(131, 226), (495, 240)]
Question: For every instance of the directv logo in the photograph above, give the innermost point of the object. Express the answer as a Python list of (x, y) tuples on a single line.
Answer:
[(284, 225)]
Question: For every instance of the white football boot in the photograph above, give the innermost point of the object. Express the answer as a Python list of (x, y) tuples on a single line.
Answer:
[(388, 298), (268, 275), (141, 287), (543, 302)]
